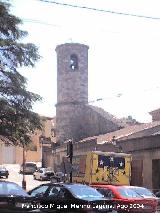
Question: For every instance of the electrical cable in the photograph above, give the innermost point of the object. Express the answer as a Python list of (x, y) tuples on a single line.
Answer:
[(100, 10)]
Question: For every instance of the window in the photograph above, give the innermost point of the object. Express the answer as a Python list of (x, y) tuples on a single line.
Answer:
[(54, 191), (143, 192), (39, 190), (59, 192), (106, 192), (73, 62), (128, 193), (11, 189), (81, 191)]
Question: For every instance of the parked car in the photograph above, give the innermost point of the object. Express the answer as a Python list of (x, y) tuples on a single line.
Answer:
[(157, 194), (3, 171), (59, 177), (144, 192), (61, 197), (43, 174), (129, 198), (29, 168), (14, 199)]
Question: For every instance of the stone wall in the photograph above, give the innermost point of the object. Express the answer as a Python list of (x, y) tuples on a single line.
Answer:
[(72, 90), (72, 85), (78, 121)]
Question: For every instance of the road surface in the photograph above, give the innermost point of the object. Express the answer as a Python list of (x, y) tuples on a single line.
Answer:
[(17, 178)]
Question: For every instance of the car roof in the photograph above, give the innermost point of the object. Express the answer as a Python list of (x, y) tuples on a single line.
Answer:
[(137, 187), (106, 185), (64, 184), (7, 181), (30, 162), (116, 186), (45, 168)]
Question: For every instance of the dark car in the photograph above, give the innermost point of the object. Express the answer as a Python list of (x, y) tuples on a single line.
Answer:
[(59, 177), (129, 198), (14, 199), (61, 197), (28, 168), (157, 194), (3, 171)]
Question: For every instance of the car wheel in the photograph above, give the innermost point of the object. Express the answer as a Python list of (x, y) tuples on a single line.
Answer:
[(6, 176), (34, 177)]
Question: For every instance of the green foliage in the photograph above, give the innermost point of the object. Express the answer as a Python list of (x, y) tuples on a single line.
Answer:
[(130, 120), (17, 120)]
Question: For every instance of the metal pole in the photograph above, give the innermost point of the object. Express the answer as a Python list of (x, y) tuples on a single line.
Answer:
[(41, 145), (71, 157), (71, 169), (42, 151), (24, 160)]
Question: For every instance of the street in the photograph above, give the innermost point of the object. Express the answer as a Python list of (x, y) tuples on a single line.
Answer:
[(14, 176)]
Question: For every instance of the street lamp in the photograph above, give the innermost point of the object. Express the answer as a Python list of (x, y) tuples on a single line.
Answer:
[(41, 142), (24, 161), (70, 155)]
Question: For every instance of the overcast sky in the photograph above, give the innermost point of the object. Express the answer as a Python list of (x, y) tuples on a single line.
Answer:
[(124, 51)]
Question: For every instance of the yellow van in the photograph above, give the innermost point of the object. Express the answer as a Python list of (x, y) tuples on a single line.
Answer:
[(102, 167)]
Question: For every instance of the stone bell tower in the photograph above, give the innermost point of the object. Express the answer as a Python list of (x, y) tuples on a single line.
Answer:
[(72, 89)]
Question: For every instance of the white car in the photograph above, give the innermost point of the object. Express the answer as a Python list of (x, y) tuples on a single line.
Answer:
[(43, 174)]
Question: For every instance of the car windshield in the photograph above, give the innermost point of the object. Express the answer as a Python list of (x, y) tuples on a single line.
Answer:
[(32, 165), (143, 192), (82, 191), (7, 188), (128, 192), (29, 165), (48, 169)]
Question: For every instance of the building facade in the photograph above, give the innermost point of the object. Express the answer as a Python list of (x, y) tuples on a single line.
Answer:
[(10, 154)]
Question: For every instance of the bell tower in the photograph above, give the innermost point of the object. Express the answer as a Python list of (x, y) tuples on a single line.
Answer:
[(72, 89)]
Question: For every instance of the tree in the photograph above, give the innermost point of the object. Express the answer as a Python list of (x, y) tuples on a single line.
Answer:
[(130, 120), (17, 119)]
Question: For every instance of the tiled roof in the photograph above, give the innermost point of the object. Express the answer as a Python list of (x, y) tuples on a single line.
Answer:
[(124, 133), (154, 111)]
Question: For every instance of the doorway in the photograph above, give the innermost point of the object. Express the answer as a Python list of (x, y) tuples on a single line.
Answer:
[(156, 174)]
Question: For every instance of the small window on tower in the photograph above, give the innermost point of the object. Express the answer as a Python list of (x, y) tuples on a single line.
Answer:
[(73, 62)]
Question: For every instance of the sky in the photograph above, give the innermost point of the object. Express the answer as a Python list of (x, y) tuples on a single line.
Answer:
[(124, 51)]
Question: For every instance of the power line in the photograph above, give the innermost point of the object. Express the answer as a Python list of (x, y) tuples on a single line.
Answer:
[(100, 10), (39, 22), (102, 99), (123, 94)]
